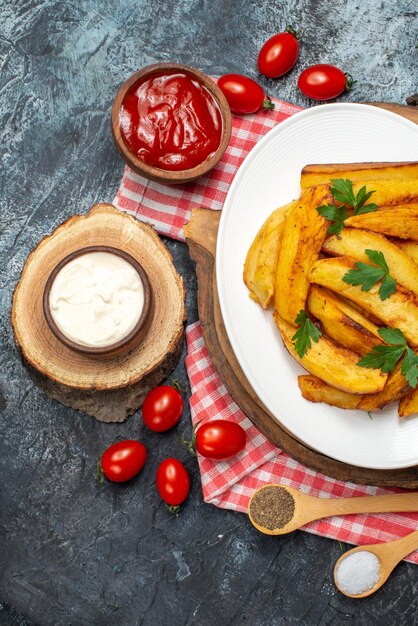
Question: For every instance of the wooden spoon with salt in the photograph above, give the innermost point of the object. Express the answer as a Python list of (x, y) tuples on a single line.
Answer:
[(279, 509), (389, 555)]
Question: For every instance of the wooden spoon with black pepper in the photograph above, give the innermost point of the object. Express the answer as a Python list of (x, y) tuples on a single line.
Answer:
[(279, 509)]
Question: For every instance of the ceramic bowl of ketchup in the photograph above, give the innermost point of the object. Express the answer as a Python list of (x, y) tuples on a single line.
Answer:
[(171, 123)]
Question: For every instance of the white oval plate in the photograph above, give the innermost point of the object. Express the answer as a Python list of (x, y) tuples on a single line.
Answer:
[(268, 178)]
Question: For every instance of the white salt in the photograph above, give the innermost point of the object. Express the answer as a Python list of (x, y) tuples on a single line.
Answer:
[(358, 573)]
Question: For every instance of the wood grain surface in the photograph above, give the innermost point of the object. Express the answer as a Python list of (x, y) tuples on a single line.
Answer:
[(201, 234), (108, 386)]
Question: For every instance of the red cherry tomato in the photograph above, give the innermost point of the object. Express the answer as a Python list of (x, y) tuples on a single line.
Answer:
[(123, 460), (244, 95), (173, 482), (279, 54), (162, 408), (220, 439), (324, 82)]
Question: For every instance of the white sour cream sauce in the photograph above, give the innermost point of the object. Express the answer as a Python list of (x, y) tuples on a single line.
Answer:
[(96, 299)]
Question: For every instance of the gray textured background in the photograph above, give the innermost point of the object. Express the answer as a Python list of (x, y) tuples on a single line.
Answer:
[(74, 552)]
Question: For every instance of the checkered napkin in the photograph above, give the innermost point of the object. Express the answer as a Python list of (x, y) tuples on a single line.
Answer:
[(229, 484)]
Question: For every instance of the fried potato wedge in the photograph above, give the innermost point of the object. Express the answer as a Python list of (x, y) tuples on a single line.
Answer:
[(409, 404), (304, 232), (315, 390), (342, 322), (261, 260), (355, 241), (390, 192), (395, 388), (398, 311), (332, 363), (319, 174), (401, 221), (372, 318), (410, 248)]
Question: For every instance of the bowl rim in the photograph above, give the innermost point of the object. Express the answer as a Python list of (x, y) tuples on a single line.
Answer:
[(157, 173), (124, 341)]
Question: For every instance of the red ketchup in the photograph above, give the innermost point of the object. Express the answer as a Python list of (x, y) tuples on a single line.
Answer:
[(170, 121)]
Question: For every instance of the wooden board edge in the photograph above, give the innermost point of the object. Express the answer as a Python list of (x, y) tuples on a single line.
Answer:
[(202, 250)]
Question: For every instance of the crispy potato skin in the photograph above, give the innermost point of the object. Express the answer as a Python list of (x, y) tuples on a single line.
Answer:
[(318, 174), (285, 266), (395, 388), (341, 322), (354, 242), (401, 221), (372, 318), (409, 404), (260, 263), (398, 311), (304, 232), (410, 248), (332, 363), (315, 390)]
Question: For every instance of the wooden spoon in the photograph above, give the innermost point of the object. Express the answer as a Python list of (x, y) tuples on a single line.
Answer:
[(389, 555), (307, 508)]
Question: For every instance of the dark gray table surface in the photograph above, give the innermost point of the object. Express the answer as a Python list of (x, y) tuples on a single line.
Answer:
[(74, 552)]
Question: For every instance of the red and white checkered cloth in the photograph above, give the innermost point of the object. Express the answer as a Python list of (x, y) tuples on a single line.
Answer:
[(229, 484)]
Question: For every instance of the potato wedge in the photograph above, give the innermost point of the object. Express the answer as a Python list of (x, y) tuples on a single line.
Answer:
[(332, 363), (261, 260), (401, 221), (398, 311), (409, 404), (372, 318), (304, 232), (395, 388), (319, 174), (410, 248), (390, 192), (341, 322), (315, 390), (354, 241)]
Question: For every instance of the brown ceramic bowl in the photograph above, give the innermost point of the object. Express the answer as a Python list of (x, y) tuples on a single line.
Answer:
[(127, 342), (155, 173)]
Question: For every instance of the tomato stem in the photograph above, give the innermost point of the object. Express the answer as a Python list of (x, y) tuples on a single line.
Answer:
[(297, 34), (190, 444), (268, 105), (177, 384), (98, 473), (174, 510), (349, 82)]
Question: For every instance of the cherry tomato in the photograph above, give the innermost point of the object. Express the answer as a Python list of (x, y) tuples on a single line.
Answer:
[(220, 439), (123, 460), (162, 408), (244, 95), (324, 82), (279, 54), (173, 482)]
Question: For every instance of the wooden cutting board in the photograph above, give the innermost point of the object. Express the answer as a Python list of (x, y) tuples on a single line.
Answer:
[(201, 233), (107, 387)]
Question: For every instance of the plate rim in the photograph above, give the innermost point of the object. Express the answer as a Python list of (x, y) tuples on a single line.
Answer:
[(277, 129)]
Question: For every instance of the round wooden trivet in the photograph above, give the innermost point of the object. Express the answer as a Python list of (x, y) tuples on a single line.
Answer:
[(201, 233), (107, 387)]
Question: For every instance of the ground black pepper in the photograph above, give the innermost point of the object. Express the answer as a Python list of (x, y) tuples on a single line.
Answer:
[(272, 507)]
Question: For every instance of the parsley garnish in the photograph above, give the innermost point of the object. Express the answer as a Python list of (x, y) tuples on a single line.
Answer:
[(336, 214), (368, 275), (306, 332), (342, 191), (386, 357)]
